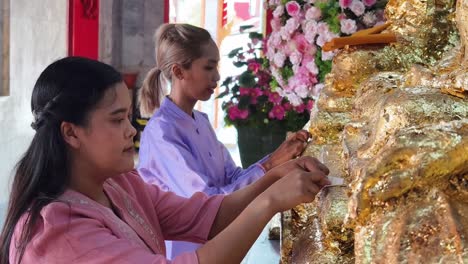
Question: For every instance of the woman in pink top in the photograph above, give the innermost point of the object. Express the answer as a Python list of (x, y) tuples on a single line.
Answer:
[(76, 199)]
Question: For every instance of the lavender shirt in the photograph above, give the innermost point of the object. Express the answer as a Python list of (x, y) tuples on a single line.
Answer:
[(180, 153)]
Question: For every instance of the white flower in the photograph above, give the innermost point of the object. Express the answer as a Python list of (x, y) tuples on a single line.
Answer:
[(317, 88), (295, 58), (321, 40), (357, 7), (310, 31), (294, 99), (291, 25), (302, 91), (369, 19), (327, 55), (285, 35), (313, 13), (279, 59), (312, 67), (279, 11), (348, 26)]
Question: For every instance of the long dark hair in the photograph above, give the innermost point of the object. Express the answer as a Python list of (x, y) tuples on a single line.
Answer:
[(67, 90)]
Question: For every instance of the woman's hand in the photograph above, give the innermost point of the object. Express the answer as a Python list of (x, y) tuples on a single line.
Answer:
[(240, 220), (292, 147), (301, 180)]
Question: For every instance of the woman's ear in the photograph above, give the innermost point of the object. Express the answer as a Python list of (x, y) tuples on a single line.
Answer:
[(177, 72), (69, 134)]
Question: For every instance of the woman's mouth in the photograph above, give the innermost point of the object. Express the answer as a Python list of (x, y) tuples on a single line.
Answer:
[(129, 149)]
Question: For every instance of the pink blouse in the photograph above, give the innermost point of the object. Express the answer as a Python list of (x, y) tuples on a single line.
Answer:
[(77, 229)]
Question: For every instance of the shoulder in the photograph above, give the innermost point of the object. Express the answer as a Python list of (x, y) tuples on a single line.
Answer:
[(202, 115)]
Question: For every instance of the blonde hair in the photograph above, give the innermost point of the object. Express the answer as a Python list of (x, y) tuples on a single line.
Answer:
[(175, 44)]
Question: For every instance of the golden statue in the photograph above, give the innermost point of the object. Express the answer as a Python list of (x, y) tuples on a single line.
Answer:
[(392, 122)]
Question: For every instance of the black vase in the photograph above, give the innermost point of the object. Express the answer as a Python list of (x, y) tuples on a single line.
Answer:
[(256, 142)]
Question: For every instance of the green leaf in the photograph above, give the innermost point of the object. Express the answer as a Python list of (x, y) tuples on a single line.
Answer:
[(255, 35), (274, 84), (244, 28), (227, 81), (224, 93), (287, 72), (324, 66), (247, 79), (234, 53), (244, 102), (239, 64)]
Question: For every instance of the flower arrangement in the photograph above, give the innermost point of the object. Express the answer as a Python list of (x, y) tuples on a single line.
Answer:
[(299, 30), (251, 100)]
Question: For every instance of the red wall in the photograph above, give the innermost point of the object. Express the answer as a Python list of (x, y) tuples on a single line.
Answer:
[(83, 34)]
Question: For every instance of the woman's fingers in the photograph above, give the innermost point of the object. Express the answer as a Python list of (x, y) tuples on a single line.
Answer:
[(302, 135), (311, 164)]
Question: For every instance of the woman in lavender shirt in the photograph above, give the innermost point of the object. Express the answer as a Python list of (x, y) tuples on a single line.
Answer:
[(180, 139)]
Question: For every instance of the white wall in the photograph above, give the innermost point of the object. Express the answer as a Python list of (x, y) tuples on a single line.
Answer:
[(38, 36), (126, 30)]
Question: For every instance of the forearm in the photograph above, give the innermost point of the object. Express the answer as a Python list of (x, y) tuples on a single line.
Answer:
[(234, 203), (233, 243)]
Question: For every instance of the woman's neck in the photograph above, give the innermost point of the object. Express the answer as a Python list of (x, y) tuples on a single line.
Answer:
[(88, 182), (184, 103)]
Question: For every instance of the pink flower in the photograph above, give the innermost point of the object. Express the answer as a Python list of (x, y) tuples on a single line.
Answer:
[(274, 97), (348, 26), (294, 99), (322, 28), (287, 106), (244, 91), (277, 112), (302, 90), (301, 43), (300, 108), (321, 40), (369, 2), (279, 10), (256, 92), (295, 58), (254, 66), (312, 67), (357, 7), (255, 41), (235, 113), (293, 8), (345, 3), (279, 59), (310, 105), (291, 25), (284, 32), (275, 24), (263, 78), (313, 13), (274, 41)]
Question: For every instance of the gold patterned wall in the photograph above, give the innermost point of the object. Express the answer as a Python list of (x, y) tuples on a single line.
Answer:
[(393, 122)]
